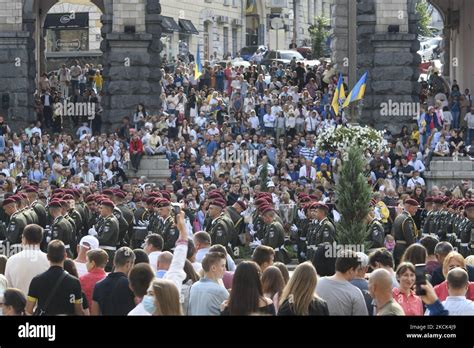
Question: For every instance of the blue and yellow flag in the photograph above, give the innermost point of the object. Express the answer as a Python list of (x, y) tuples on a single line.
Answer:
[(197, 65), (357, 92), (339, 95)]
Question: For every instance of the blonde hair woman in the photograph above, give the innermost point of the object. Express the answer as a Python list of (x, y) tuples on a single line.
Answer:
[(299, 297), (162, 298), (452, 260)]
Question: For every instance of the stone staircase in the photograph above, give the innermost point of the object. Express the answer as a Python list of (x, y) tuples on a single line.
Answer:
[(444, 171), (155, 168)]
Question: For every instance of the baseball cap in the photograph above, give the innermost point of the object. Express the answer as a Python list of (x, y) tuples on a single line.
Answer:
[(89, 242)]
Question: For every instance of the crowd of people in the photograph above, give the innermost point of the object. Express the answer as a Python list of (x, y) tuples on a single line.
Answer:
[(248, 192)]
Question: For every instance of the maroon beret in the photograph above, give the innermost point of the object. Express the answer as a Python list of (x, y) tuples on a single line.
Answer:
[(22, 195), (242, 204), (468, 205), (64, 203), (314, 197), (263, 206), (69, 191), (305, 199), (150, 200), (163, 202), (55, 203), (68, 197), (267, 209), (218, 203), (107, 203), (302, 194), (261, 201), (120, 194), (16, 198), (90, 198), (412, 202), (321, 206), (214, 195), (429, 200), (108, 192), (76, 193), (155, 194), (165, 194), (31, 189), (8, 200)]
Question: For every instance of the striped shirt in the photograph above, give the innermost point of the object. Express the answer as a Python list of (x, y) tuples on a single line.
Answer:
[(308, 152)]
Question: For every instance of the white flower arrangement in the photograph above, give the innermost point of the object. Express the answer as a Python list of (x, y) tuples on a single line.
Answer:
[(342, 138)]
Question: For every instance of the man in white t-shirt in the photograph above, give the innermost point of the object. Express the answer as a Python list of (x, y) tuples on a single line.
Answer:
[(153, 247), (213, 130), (22, 267), (87, 243), (140, 278)]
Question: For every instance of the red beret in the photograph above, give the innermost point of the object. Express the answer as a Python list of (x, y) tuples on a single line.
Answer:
[(242, 205), (69, 191), (16, 198), (302, 194), (322, 206), (163, 202), (58, 191), (214, 195), (310, 205), (468, 205), (8, 200), (68, 197), (261, 201), (90, 198), (267, 209), (76, 193), (305, 199), (166, 194), (31, 189), (108, 203), (55, 203), (120, 194), (263, 206), (64, 203), (219, 203), (108, 192), (429, 200), (150, 200), (155, 194), (22, 195), (314, 197), (263, 194), (412, 202)]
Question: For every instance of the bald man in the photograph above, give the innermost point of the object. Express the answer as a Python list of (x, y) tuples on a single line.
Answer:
[(163, 264), (380, 288)]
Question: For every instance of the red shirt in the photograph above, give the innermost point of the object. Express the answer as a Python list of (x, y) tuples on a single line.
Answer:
[(136, 145), (89, 280), (442, 291), (411, 304)]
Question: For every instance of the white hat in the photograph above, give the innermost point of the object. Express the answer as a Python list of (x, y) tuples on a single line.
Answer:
[(89, 242), (271, 184)]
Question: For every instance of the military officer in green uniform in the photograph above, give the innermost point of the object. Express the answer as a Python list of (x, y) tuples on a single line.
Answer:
[(108, 231), (274, 234), (123, 224), (466, 245), (126, 213), (168, 229), (326, 232), (375, 231), (312, 229), (427, 217), (404, 228), (61, 228), (37, 206), (24, 208), (234, 212), (221, 227), (16, 223), (75, 218), (301, 222)]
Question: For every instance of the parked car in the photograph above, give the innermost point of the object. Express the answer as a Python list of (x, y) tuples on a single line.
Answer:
[(430, 48)]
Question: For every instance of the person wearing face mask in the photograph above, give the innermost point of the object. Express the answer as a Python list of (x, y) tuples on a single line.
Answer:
[(415, 180)]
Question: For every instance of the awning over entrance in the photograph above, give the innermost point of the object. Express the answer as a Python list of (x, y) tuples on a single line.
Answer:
[(169, 24), (66, 20), (188, 27)]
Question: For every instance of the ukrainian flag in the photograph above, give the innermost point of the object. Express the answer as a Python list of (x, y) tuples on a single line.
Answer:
[(339, 95), (197, 65), (357, 92)]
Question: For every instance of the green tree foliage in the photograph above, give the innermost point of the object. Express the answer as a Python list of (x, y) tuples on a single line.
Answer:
[(353, 198), (424, 13), (319, 35), (264, 176)]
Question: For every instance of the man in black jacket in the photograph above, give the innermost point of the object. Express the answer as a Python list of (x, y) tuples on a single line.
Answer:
[(442, 250)]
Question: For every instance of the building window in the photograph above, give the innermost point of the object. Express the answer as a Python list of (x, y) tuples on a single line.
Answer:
[(234, 3), (227, 2), (234, 42), (226, 42)]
